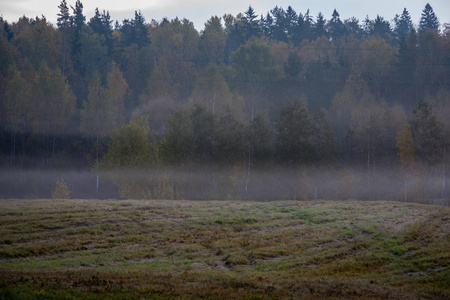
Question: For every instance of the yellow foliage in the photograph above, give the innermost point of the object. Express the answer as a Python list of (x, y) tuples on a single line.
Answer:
[(61, 191)]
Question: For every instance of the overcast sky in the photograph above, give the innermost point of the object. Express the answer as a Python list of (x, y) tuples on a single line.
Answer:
[(199, 11)]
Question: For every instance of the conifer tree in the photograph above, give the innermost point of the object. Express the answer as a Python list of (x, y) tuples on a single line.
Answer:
[(252, 27), (63, 20), (428, 21), (403, 24), (320, 26), (78, 19), (381, 29), (101, 24), (64, 26), (335, 26)]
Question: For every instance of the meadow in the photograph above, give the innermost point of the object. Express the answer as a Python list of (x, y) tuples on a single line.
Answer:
[(149, 249)]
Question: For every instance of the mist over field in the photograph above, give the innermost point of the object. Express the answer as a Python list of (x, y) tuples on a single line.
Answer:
[(215, 184)]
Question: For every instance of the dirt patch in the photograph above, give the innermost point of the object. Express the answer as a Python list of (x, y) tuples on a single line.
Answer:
[(83, 224)]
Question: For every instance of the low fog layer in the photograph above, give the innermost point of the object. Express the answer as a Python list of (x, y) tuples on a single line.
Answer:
[(210, 183)]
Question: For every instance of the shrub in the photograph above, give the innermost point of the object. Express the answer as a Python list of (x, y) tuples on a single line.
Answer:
[(61, 191)]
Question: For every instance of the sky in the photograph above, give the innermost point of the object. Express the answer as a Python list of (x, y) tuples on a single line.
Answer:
[(199, 11)]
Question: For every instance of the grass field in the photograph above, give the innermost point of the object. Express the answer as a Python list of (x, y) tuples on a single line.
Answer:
[(89, 249)]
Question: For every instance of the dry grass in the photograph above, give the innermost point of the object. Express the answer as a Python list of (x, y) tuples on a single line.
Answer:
[(89, 249)]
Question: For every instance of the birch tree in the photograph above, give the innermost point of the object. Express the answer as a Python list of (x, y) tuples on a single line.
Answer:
[(55, 103), (15, 107)]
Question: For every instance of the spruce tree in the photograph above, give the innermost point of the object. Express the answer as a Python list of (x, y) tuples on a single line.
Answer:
[(428, 21), (319, 28), (336, 28), (63, 20), (403, 24)]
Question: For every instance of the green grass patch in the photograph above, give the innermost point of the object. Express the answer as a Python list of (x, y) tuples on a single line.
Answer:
[(115, 249)]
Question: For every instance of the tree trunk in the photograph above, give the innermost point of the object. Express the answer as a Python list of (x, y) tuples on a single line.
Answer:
[(444, 173), (406, 189), (248, 172), (54, 140), (13, 145), (427, 196), (214, 185), (98, 179)]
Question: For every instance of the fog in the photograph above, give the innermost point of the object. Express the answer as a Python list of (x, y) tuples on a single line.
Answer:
[(212, 183)]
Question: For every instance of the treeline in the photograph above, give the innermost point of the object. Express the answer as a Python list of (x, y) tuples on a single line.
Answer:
[(281, 91)]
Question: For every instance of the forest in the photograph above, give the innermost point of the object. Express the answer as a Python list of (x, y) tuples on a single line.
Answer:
[(282, 105)]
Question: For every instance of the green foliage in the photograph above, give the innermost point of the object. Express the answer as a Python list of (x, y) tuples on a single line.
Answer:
[(177, 147), (294, 131), (130, 150), (426, 133), (130, 147)]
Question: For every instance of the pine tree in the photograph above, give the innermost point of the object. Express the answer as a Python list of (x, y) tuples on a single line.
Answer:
[(279, 29), (101, 24), (252, 27), (78, 19), (135, 31), (319, 28), (64, 26), (428, 21), (267, 25), (381, 29), (352, 27), (63, 20), (292, 20), (140, 27), (335, 26), (403, 25)]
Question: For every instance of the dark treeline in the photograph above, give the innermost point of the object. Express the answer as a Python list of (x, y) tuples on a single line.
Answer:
[(251, 107)]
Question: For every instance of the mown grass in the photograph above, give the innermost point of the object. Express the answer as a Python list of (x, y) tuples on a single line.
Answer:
[(91, 249)]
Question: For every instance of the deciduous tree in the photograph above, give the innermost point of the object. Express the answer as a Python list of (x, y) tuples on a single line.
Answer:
[(15, 106), (55, 103), (428, 139), (212, 42), (405, 146)]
